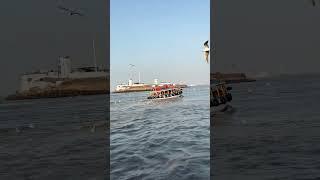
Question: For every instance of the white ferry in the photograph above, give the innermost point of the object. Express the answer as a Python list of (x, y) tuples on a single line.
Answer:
[(130, 85)]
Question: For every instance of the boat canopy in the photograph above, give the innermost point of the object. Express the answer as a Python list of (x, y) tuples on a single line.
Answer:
[(162, 87)]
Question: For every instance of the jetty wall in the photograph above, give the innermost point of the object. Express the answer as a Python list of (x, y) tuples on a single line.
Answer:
[(230, 77), (72, 87)]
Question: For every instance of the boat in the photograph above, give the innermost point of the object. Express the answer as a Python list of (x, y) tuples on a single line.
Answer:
[(165, 91), (220, 97)]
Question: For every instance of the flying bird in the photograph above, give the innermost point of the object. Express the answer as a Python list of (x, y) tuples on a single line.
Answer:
[(70, 11), (131, 65), (206, 51), (314, 3)]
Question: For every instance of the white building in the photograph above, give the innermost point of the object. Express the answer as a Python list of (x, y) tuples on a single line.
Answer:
[(155, 81), (47, 79), (64, 67)]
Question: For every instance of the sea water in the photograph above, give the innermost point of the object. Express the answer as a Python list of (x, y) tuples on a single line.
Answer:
[(160, 139)]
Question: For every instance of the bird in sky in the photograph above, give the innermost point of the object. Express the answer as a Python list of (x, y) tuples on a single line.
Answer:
[(206, 51), (70, 11), (314, 3)]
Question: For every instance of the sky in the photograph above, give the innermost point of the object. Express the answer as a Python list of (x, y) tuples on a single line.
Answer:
[(162, 38)]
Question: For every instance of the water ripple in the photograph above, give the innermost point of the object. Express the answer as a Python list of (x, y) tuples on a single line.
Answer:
[(160, 139)]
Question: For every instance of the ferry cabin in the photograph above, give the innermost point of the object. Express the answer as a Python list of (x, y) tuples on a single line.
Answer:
[(164, 91)]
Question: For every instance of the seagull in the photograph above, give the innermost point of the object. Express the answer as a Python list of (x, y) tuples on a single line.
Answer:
[(314, 2), (69, 11), (93, 128), (131, 65), (206, 51)]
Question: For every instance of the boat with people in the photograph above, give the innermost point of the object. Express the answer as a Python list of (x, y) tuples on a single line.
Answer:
[(165, 91), (220, 97)]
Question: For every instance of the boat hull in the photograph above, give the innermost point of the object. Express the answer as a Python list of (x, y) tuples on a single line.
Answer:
[(167, 98), (220, 109)]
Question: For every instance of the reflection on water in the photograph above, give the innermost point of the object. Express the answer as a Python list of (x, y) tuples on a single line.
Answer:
[(160, 139)]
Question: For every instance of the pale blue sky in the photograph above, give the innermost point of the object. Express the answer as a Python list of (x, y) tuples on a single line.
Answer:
[(163, 38)]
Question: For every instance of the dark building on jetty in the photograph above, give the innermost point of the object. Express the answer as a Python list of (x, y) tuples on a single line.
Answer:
[(230, 77)]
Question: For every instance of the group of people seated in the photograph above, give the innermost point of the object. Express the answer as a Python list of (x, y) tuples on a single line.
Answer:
[(220, 95), (166, 93)]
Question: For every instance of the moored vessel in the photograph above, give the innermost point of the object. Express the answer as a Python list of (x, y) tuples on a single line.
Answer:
[(132, 87)]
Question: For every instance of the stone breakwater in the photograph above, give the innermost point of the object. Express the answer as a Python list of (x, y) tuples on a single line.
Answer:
[(230, 77), (75, 87), (144, 88)]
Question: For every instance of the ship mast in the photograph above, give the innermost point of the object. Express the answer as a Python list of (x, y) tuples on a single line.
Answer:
[(139, 77), (94, 56)]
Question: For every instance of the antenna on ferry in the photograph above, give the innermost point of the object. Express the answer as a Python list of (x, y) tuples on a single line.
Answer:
[(94, 55), (139, 77), (131, 70)]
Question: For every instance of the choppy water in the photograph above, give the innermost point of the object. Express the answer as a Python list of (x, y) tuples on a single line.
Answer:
[(273, 131), (169, 139), (53, 138)]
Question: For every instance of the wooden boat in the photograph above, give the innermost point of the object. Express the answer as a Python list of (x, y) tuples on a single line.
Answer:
[(166, 98), (220, 97), (166, 91)]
